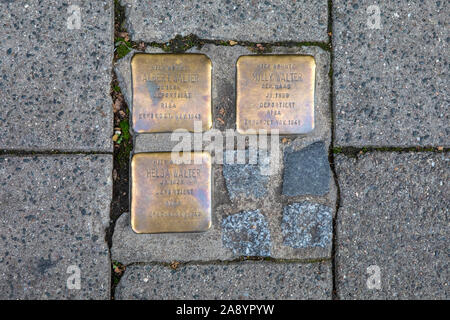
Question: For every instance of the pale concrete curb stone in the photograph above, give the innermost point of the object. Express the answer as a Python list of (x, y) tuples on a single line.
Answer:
[(129, 247), (244, 280), (56, 81), (394, 215), (54, 213), (266, 21)]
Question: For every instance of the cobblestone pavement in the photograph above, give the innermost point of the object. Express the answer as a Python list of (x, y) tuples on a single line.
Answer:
[(357, 209)]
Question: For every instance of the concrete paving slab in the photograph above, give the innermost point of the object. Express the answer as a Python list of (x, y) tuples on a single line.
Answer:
[(54, 212), (244, 280), (393, 226), (55, 67), (391, 78), (265, 21)]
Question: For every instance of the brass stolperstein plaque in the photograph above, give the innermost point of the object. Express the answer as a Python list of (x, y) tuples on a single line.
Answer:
[(275, 92), (171, 91), (168, 196)]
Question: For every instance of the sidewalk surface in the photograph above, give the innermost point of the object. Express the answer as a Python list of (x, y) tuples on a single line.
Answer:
[(358, 209)]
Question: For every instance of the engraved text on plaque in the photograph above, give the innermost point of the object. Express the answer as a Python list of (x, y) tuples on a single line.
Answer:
[(171, 91), (170, 197), (275, 92)]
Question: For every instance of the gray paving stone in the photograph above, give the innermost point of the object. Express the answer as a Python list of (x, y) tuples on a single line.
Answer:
[(269, 21), (244, 180), (307, 224), (391, 84), (247, 234), (394, 214), (306, 171), (54, 212), (245, 280), (55, 81)]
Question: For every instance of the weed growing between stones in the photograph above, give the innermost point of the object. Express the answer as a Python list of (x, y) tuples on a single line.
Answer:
[(123, 143), (117, 270)]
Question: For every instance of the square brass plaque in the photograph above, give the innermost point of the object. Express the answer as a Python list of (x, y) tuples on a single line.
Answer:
[(168, 196), (275, 92), (171, 91)]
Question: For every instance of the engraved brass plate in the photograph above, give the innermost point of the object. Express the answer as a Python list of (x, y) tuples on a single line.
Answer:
[(275, 92), (171, 91), (170, 197)]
